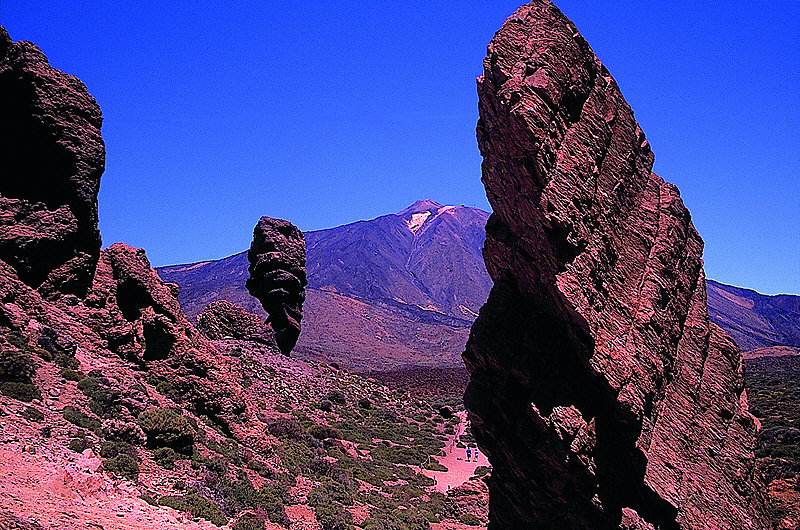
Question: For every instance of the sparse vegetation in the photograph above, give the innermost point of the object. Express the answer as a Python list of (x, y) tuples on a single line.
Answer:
[(123, 465), (197, 506), (79, 445), (470, 519), (249, 522), (76, 417), (165, 457), (26, 392), (168, 428)]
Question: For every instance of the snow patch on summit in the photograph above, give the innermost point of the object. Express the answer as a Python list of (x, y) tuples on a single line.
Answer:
[(417, 220)]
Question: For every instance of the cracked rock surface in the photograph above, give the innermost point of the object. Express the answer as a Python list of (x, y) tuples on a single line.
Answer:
[(599, 390)]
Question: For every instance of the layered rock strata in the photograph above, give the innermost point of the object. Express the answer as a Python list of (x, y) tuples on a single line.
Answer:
[(52, 157), (277, 259), (599, 390)]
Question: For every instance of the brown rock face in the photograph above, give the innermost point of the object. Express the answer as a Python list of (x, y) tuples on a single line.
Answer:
[(140, 318), (52, 157), (599, 389), (278, 277), (222, 319)]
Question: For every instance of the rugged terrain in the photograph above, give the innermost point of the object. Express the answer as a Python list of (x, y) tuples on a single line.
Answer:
[(599, 388), (116, 412)]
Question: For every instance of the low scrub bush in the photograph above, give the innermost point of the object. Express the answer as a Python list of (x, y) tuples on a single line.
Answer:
[(79, 445), (168, 428), (16, 365), (165, 457), (286, 429), (321, 432), (195, 505), (249, 522), (123, 465), (76, 417), (71, 375), (469, 519)]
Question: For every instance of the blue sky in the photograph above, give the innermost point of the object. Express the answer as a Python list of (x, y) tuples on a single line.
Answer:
[(328, 112)]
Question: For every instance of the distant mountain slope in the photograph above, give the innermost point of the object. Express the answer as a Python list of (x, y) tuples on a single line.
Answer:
[(417, 274), (403, 289), (427, 255), (755, 320)]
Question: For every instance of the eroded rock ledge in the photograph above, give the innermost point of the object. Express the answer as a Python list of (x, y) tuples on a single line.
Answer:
[(599, 389)]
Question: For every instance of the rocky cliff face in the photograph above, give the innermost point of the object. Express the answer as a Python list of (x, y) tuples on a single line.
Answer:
[(599, 389), (278, 277), (57, 289), (52, 157), (141, 321)]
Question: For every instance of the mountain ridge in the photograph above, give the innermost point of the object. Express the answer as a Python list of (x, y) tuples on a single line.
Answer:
[(423, 267)]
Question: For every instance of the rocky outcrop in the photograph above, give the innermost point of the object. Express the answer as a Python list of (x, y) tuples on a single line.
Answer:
[(277, 259), (52, 157), (599, 389), (141, 320), (224, 320)]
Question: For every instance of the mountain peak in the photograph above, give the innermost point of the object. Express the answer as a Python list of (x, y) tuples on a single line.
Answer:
[(421, 206)]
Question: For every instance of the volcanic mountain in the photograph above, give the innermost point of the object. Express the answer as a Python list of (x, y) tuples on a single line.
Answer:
[(398, 290), (403, 289)]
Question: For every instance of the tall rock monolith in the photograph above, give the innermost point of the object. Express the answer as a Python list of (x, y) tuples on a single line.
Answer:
[(278, 277), (599, 390)]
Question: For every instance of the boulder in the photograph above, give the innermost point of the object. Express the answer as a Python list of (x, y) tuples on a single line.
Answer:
[(224, 320)]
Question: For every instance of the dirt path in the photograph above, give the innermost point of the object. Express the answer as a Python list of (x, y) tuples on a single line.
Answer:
[(459, 469), (67, 496)]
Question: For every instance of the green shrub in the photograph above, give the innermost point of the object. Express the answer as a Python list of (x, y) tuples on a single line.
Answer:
[(329, 513), (26, 392), (149, 499), (16, 365), (168, 428), (165, 457), (249, 522), (76, 417), (71, 375), (123, 465), (321, 432), (286, 429), (79, 445), (365, 403), (433, 465), (240, 495), (325, 405), (469, 519), (195, 505), (104, 400), (481, 471)]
